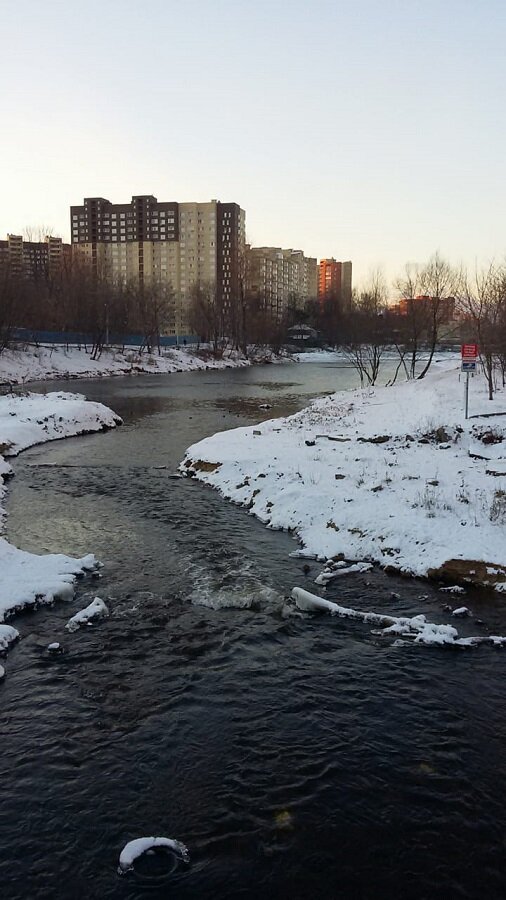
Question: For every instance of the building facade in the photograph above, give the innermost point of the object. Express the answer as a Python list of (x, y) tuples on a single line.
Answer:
[(280, 279), (33, 260), (167, 243), (335, 283)]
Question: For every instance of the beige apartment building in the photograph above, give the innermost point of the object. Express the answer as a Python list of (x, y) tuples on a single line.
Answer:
[(280, 279), (33, 260), (167, 243)]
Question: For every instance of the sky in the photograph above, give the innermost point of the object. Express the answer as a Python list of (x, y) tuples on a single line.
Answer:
[(364, 130)]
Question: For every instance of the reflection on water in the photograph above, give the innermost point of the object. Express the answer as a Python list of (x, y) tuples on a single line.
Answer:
[(296, 756)]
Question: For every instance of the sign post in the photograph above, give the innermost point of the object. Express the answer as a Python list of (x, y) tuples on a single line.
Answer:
[(469, 355)]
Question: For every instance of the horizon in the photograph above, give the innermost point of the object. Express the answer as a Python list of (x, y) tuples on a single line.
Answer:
[(382, 151)]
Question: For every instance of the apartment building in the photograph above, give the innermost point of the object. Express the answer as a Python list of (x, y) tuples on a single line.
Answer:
[(280, 279), (334, 282), (32, 260), (168, 243)]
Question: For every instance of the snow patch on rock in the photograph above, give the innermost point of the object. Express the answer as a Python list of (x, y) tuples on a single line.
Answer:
[(139, 846), (95, 610)]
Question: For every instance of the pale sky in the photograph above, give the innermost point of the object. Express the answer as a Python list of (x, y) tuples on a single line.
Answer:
[(370, 130)]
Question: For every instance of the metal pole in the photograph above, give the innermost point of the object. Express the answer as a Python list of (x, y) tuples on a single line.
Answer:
[(467, 394)]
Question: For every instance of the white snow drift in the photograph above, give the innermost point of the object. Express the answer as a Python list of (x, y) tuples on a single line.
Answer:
[(393, 475), (27, 579), (21, 366)]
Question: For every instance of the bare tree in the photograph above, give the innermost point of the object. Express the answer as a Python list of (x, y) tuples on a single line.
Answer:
[(207, 315), (427, 295), (366, 329), (440, 282), (483, 301)]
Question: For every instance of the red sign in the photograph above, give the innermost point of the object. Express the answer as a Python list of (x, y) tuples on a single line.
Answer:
[(469, 352)]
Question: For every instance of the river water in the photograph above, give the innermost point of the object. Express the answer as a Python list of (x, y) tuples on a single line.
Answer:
[(296, 756)]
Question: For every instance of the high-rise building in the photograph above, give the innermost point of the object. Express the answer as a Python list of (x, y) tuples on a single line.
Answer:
[(334, 283), (32, 260), (280, 279), (169, 243)]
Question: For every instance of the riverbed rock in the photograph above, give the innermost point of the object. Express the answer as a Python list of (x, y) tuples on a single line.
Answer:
[(470, 571)]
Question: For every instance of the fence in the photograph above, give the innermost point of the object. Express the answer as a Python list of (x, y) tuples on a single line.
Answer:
[(29, 336)]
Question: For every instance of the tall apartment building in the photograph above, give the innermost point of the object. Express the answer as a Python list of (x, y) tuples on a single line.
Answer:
[(33, 260), (176, 244), (280, 278), (334, 282)]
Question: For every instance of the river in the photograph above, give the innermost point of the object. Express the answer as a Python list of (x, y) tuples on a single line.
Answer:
[(295, 756)]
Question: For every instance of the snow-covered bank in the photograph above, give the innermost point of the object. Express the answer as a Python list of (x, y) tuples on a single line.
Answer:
[(393, 475), (25, 578), (21, 366)]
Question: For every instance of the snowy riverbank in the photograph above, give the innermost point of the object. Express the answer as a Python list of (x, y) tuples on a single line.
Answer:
[(391, 475), (43, 363), (27, 579)]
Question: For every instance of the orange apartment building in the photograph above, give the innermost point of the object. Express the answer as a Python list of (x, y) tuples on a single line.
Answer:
[(334, 282)]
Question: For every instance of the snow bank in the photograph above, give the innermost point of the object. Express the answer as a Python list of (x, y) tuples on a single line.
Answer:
[(95, 610), (20, 366), (136, 848), (27, 579), (415, 627), (395, 476)]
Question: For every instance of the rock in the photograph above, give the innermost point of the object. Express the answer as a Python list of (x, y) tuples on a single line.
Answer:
[(470, 571), (379, 439)]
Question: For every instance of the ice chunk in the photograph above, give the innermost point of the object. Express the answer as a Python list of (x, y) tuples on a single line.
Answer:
[(342, 569), (461, 611), (8, 634), (96, 610), (139, 846)]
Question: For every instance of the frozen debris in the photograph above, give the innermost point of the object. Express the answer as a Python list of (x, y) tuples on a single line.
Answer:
[(416, 627), (461, 611), (341, 569), (454, 589), (2, 672), (139, 846), (265, 406), (95, 610), (55, 647), (8, 635)]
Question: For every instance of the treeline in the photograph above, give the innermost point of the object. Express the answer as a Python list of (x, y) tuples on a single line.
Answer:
[(75, 301), (434, 301)]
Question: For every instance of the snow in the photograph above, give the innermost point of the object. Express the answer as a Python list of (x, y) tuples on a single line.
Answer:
[(334, 570), (20, 366), (8, 635), (139, 846), (381, 474), (29, 580), (415, 628), (95, 610)]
